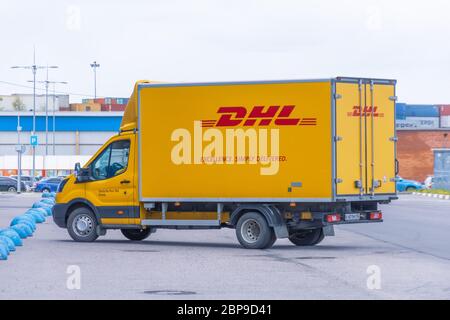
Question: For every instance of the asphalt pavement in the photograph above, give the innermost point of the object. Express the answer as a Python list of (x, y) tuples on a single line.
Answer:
[(405, 257)]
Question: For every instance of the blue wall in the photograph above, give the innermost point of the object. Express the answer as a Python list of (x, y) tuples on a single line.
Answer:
[(63, 123)]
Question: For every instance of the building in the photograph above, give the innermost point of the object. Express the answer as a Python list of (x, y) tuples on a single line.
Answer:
[(24, 102), (101, 104), (77, 137), (415, 151), (420, 129)]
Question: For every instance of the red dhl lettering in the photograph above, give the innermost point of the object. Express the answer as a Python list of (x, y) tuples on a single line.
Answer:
[(367, 111), (260, 116)]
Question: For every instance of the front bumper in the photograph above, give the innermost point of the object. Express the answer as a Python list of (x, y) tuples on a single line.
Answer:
[(59, 214)]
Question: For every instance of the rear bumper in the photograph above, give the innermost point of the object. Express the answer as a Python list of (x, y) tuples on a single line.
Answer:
[(59, 214), (319, 221)]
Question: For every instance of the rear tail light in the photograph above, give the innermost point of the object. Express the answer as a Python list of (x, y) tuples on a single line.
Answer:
[(333, 218), (376, 216)]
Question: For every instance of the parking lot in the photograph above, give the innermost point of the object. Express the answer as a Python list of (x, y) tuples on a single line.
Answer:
[(409, 253)]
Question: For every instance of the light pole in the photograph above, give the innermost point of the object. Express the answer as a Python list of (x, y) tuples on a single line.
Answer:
[(46, 82), (94, 66), (20, 149), (33, 68), (54, 109)]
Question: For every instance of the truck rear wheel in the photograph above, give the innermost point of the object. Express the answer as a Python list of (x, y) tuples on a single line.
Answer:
[(82, 225), (136, 234), (253, 231), (307, 237)]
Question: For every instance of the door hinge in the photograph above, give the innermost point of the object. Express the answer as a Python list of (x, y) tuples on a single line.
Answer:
[(337, 96), (338, 180), (338, 138), (393, 98)]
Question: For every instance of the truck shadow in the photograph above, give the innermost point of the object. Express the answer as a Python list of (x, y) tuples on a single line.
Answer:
[(191, 244)]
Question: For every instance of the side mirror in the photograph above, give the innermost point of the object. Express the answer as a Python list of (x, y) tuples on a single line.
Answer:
[(77, 169), (84, 174)]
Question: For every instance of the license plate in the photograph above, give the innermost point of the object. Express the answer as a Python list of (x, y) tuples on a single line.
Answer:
[(352, 217)]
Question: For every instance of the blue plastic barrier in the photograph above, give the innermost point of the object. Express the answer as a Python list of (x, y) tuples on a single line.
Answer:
[(29, 224), (3, 252), (49, 201), (38, 215), (28, 220), (10, 233), (21, 231), (7, 241)]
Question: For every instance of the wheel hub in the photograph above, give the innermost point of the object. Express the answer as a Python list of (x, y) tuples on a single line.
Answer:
[(83, 225), (251, 230)]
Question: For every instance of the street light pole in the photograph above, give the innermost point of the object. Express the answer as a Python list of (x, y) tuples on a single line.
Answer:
[(94, 66), (33, 68)]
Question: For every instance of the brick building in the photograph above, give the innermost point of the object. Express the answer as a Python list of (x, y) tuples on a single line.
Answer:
[(415, 151)]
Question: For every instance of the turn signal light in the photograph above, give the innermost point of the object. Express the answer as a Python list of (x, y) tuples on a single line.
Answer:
[(376, 216), (333, 218)]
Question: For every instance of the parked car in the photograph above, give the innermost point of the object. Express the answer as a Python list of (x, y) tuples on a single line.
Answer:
[(10, 184), (48, 185), (408, 185), (24, 179), (429, 182)]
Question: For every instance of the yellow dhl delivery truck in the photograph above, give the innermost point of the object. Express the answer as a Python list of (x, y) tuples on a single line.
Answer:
[(273, 159)]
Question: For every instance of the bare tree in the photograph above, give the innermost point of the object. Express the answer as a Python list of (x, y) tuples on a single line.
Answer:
[(18, 105)]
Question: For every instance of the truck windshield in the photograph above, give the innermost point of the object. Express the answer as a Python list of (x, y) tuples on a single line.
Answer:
[(112, 161)]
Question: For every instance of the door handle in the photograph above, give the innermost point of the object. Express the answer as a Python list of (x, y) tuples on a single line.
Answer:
[(124, 181)]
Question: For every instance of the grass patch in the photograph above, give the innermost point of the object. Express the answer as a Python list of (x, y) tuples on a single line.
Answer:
[(436, 191)]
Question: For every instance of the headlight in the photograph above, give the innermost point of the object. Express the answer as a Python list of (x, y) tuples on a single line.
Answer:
[(61, 185)]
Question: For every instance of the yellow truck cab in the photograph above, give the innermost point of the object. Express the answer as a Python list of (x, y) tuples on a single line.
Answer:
[(273, 159)]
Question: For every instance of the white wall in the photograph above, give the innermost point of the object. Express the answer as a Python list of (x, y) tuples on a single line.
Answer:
[(43, 163), (89, 142)]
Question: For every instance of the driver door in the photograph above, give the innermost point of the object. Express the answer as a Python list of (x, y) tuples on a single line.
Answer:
[(111, 188)]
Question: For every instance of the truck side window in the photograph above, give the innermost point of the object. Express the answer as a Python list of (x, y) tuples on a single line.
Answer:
[(112, 161)]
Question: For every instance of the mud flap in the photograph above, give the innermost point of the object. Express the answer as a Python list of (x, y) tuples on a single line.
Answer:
[(281, 231)]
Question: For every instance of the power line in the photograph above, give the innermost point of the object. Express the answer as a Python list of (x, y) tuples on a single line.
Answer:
[(43, 89)]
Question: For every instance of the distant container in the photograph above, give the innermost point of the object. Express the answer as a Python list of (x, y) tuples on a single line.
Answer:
[(444, 110), (417, 123), (118, 107), (421, 110), (400, 111), (122, 100), (106, 107), (99, 100), (87, 100), (445, 121)]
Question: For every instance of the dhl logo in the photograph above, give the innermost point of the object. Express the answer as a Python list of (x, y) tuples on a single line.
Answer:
[(258, 116), (367, 111)]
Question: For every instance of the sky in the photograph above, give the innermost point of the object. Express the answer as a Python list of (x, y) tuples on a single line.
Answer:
[(230, 40)]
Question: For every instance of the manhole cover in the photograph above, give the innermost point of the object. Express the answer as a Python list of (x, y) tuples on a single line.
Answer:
[(170, 292), (316, 258)]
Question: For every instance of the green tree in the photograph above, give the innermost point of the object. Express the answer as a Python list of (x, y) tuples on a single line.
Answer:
[(18, 105)]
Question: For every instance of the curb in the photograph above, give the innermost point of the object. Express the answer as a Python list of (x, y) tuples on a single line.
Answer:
[(432, 195)]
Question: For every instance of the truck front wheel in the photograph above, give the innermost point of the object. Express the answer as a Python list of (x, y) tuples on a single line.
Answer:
[(253, 231), (82, 225), (307, 237), (136, 234)]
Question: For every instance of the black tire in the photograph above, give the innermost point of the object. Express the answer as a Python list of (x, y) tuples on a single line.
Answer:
[(307, 237), (82, 225), (253, 231), (12, 189), (46, 190), (136, 234)]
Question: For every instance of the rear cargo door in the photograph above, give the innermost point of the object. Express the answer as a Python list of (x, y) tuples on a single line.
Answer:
[(365, 137)]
